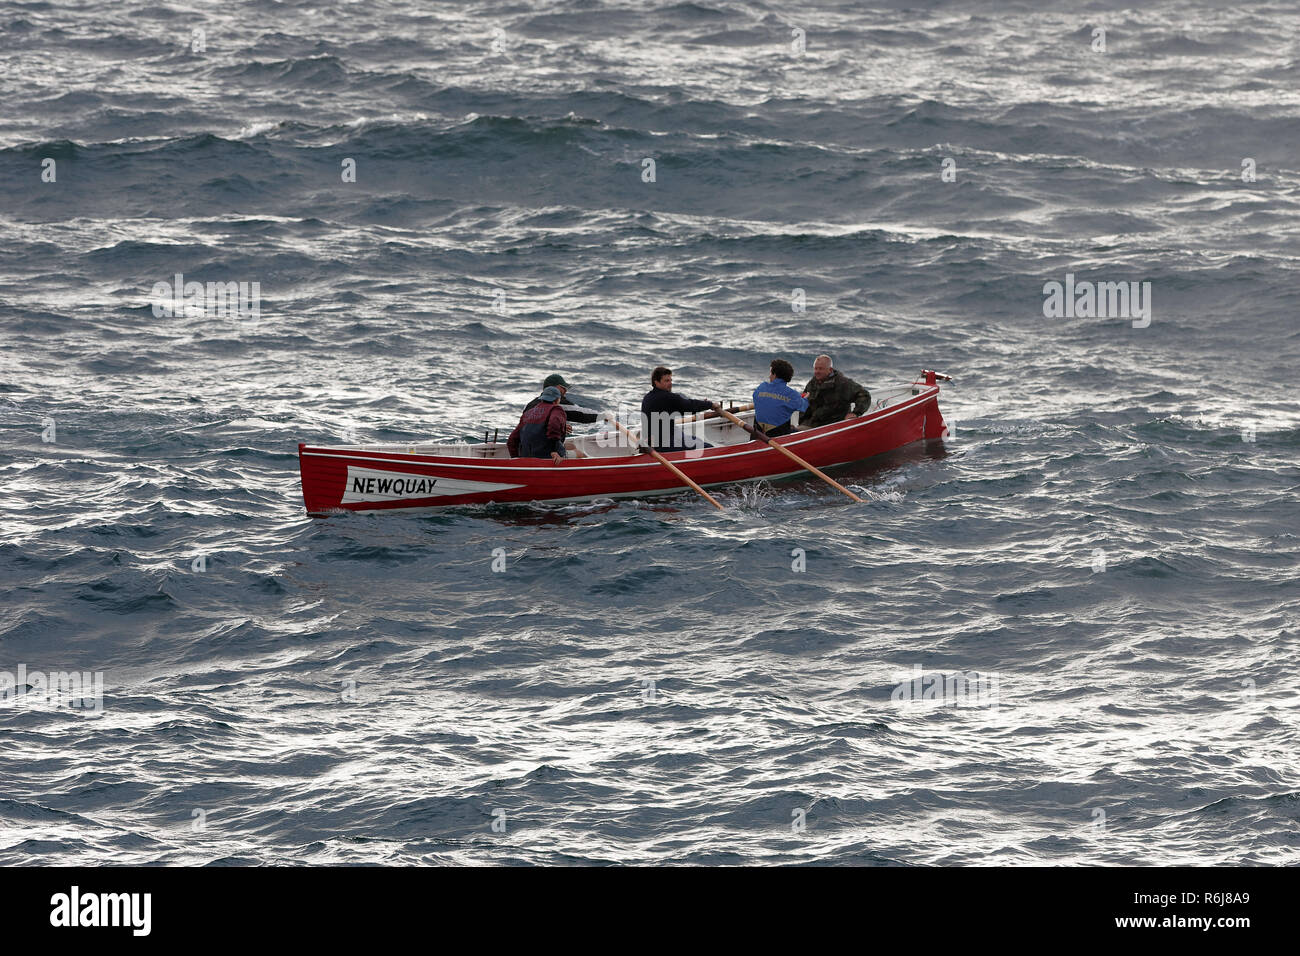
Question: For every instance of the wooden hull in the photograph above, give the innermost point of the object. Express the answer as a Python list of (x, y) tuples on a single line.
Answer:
[(355, 479)]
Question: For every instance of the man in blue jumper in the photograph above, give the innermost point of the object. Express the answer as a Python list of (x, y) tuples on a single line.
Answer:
[(775, 401)]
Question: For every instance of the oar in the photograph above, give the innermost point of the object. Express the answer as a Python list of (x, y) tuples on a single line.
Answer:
[(791, 455), (664, 461)]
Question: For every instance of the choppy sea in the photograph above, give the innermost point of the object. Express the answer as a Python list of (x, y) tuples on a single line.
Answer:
[(1094, 577)]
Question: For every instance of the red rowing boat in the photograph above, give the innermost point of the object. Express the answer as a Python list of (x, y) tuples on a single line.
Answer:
[(426, 477)]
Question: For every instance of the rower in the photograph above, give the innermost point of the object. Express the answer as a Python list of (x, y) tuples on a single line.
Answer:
[(541, 428), (662, 408), (775, 401), (573, 412)]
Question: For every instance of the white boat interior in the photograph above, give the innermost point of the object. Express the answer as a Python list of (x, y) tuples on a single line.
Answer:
[(608, 442)]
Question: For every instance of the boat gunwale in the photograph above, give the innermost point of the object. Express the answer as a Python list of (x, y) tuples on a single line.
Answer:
[(639, 460)]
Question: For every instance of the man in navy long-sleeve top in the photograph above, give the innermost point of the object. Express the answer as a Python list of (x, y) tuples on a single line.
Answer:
[(775, 401), (662, 407)]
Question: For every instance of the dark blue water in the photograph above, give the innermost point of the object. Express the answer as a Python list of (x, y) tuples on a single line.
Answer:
[(1111, 534)]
